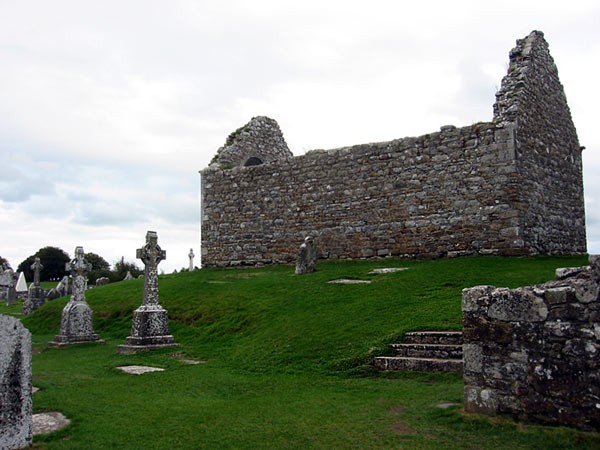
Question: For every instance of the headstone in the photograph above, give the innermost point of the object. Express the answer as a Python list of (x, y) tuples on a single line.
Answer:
[(76, 322), (15, 384), (128, 276), (52, 294), (10, 283), (191, 256), (307, 256), (63, 288), (102, 281), (35, 296), (150, 327)]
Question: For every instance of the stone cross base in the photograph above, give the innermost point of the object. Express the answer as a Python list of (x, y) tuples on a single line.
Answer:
[(149, 331), (76, 326), (34, 300), (128, 349), (61, 340)]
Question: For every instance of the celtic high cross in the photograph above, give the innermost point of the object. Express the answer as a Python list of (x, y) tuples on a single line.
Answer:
[(151, 255), (79, 269), (36, 267)]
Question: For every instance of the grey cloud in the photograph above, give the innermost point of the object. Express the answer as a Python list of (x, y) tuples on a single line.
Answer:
[(21, 179)]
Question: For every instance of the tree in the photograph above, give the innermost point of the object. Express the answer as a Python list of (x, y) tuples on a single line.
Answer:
[(54, 261), (122, 267), (100, 267)]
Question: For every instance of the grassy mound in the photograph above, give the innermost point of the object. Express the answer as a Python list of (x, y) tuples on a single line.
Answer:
[(284, 361)]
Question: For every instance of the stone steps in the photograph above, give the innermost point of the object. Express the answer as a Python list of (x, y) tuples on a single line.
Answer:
[(434, 337), (425, 351), (441, 351), (407, 364)]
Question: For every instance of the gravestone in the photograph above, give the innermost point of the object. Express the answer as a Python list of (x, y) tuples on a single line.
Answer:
[(35, 295), (307, 256), (102, 281), (52, 294), (63, 288), (76, 322), (128, 276), (150, 327), (191, 256), (15, 384), (9, 281)]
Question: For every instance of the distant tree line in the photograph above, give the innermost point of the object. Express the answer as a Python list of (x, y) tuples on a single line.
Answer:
[(54, 261)]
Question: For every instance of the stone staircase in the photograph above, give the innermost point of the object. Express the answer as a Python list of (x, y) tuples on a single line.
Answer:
[(425, 351)]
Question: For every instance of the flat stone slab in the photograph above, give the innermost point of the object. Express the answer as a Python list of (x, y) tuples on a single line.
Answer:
[(192, 362), (387, 270), (348, 281), (138, 370), (127, 349), (446, 405), (48, 422)]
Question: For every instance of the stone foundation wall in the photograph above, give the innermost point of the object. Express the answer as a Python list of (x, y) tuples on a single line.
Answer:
[(534, 353)]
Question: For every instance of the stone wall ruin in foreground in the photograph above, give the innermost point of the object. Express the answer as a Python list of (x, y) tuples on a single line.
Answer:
[(512, 186), (534, 353)]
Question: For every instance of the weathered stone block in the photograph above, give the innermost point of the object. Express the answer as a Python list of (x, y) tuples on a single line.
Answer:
[(559, 295), (15, 384), (516, 306), (149, 322)]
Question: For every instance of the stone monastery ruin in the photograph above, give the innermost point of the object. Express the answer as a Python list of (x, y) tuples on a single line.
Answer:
[(512, 186)]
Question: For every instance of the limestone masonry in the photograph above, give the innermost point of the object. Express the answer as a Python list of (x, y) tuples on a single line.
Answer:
[(512, 186), (532, 353)]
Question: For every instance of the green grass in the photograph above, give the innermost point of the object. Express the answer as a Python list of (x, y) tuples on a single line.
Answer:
[(285, 362)]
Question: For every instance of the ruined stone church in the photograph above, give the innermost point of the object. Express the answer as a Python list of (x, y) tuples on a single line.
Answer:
[(512, 186)]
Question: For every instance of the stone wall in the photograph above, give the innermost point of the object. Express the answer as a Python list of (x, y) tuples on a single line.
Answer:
[(453, 192), (533, 353), (260, 141), (447, 192), (548, 154)]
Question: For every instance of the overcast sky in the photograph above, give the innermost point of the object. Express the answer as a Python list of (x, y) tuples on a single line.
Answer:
[(108, 109)]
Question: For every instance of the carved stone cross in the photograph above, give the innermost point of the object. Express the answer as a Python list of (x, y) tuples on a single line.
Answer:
[(78, 265), (79, 269), (191, 256), (151, 255), (36, 267)]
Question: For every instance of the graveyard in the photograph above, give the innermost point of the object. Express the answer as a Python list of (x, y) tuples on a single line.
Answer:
[(269, 359)]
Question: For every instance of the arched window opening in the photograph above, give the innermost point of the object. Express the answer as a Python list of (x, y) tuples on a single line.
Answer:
[(253, 161)]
